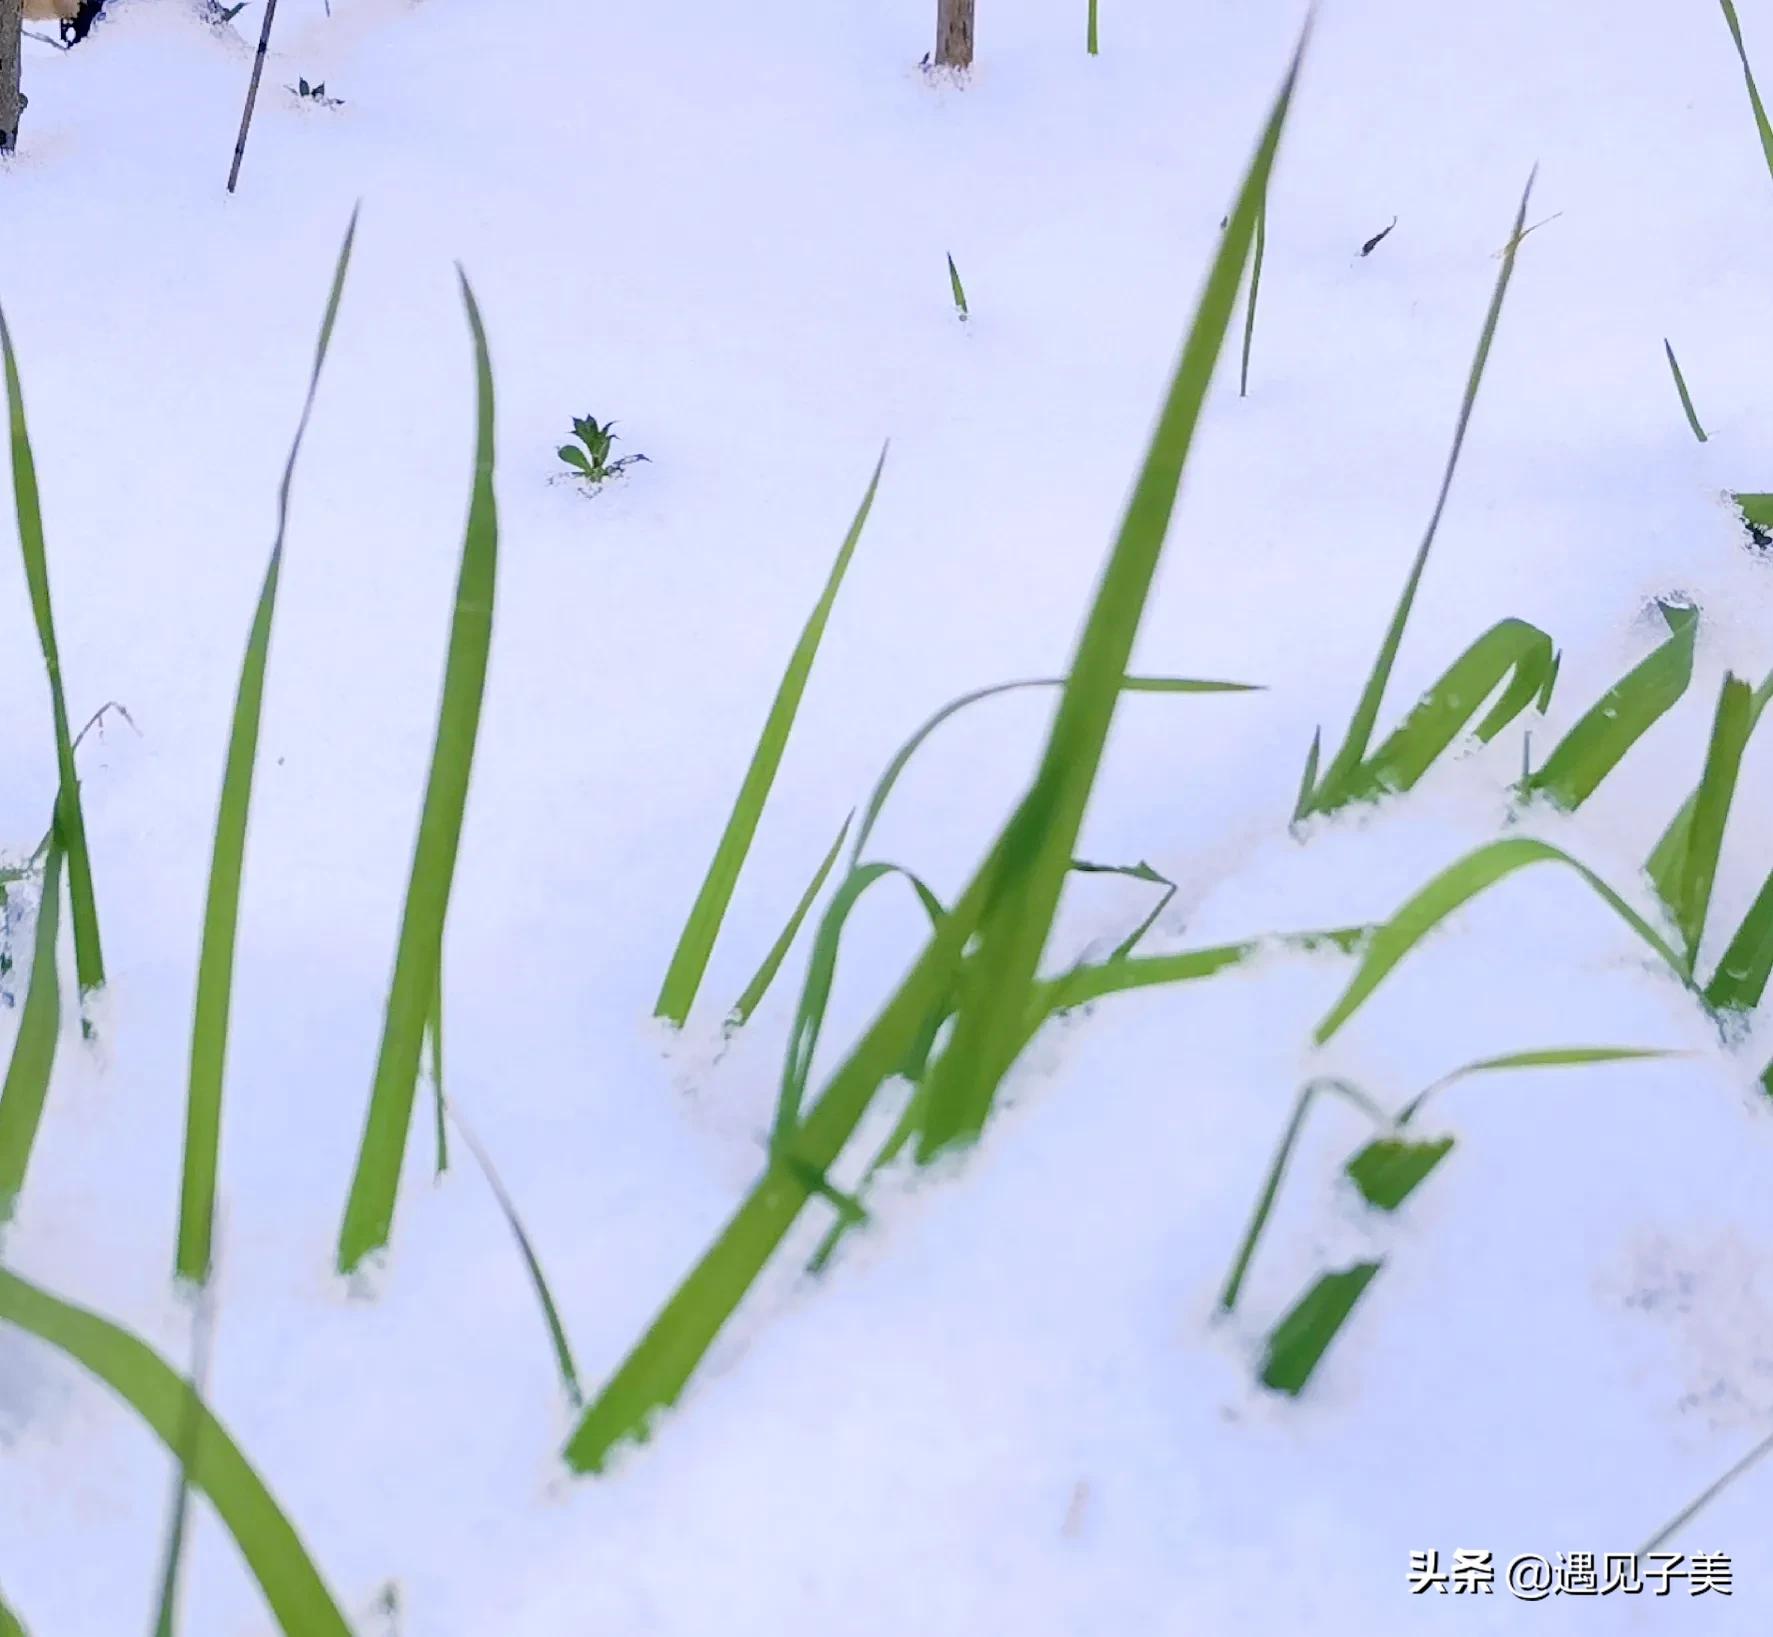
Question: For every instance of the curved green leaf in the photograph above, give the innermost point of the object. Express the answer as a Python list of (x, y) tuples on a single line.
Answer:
[(293, 1589), (33, 1047)]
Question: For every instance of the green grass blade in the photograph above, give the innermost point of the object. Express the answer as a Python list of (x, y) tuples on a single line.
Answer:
[(1390, 1169), (815, 998), (1757, 513), (901, 757), (1742, 971), (1511, 649), (1091, 41), (369, 1211), (683, 978), (1550, 1057), (1308, 779), (1748, 74), (1711, 1492), (33, 1049), (1034, 854), (292, 1587), (959, 293), (758, 987), (1300, 1340), (221, 914), (1454, 887), (190, 1433), (89, 961), (1622, 716), (1243, 373), (1717, 789), (1680, 382), (1277, 1170), (563, 1353), (1366, 712), (10, 1624)]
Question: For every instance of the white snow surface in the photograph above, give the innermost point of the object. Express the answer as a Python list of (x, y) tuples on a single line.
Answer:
[(1006, 1410)]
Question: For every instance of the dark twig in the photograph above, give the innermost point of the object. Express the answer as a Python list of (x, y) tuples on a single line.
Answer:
[(252, 93)]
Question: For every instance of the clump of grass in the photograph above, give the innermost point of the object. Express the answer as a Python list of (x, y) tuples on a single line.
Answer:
[(1343, 778), (1008, 908), (369, 1209), (689, 961), (89, 960), (214, 1466), (1680, 382), (958, 291), (221, 915)]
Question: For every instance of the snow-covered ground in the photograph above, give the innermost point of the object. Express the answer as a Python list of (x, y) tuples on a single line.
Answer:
[(1006, 1410)]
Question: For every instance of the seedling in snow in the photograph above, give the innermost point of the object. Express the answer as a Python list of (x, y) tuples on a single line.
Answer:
[(592, 462), (1378, 238), (218, 15), (315, 94)]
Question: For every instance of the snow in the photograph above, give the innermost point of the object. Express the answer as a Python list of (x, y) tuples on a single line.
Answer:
[(1005, 1410)]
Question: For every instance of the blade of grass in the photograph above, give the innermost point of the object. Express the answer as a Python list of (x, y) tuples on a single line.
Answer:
[(221, 914), (1704, 1499), (1366, 712), (1454, 887), (1754, 95), (1243, 373), (369, 1210), (563, 1353), (689, 962), (1300, 1340), (901, 757), (959, 293), (1240, 1266), (1390, 1169), (292, 1587), (1619, 718), (1090, 41), (33, 1048), (89, 961), (1552, 1057), (1034, 854), (758, 987), (1680, 382), (190, 1431), (10, 1624), (434, 1039), (1717, 789)]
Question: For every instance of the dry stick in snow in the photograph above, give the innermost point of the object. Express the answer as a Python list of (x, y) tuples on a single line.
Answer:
[(954, 33), (11, 99), (252, 91)]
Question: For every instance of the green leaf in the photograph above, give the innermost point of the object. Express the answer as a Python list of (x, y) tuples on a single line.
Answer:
[(690, 959), (1027, 871), (1622, 715), (10, 1624), (292, 1587), (1680, 382), (1553, 1057), (221, 914), (89, 961), (1455, 886), (1756, 509), (1754, 95), (1388, 1170), (1741, 976), (765, 975), (33, 1047), (1301, 1338), (1343, 767), (369, 1211), (575, 459), (1705, 838)]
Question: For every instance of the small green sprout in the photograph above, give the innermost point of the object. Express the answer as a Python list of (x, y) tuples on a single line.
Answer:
[(592, 462)]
